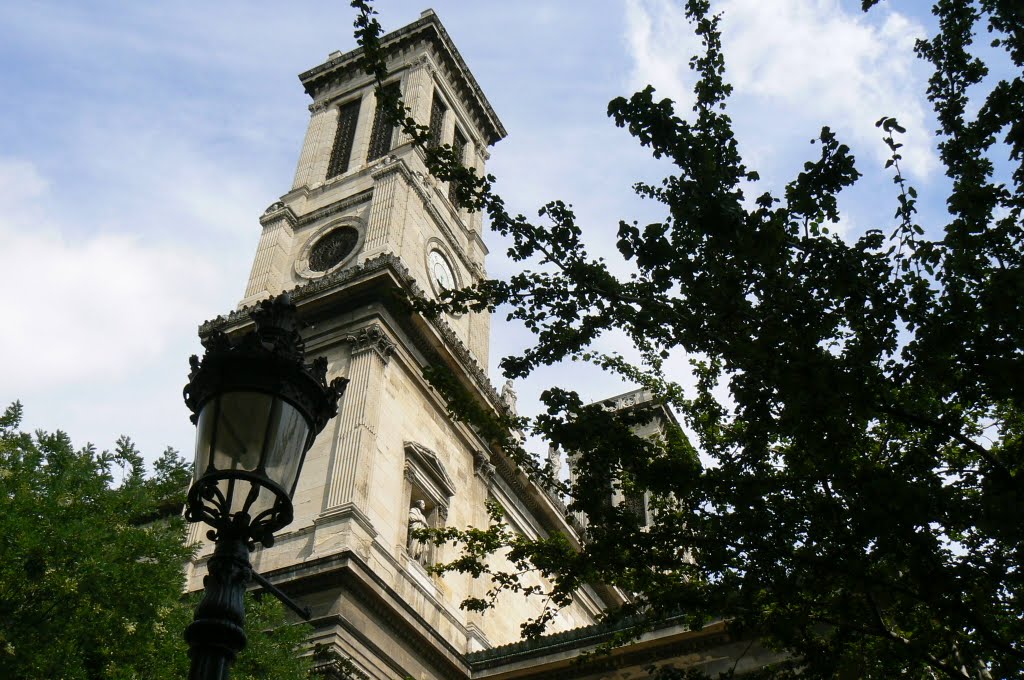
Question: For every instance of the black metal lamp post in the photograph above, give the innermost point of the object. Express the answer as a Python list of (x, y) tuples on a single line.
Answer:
[(257, 407)]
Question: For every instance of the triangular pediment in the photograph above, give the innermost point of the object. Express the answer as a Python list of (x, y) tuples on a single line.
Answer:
[(428, 463)]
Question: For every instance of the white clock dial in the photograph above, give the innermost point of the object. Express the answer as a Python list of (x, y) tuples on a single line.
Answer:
[(440, 271)]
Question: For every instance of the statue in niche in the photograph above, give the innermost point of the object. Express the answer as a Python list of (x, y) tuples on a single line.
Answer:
[(508, 395), (417, 520)]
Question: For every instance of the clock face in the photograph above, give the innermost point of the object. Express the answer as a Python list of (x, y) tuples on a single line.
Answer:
[(440, 271)]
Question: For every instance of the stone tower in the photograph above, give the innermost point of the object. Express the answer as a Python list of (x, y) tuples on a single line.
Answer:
[(363, 222), (361, 190)]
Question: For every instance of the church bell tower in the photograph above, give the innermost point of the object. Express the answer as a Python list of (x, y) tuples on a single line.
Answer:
[(363, 224), (361, 190)]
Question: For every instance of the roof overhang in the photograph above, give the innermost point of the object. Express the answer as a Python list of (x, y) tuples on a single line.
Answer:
[(427, 28)]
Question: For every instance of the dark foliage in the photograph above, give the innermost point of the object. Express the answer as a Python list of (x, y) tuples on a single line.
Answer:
[(92, 557), (860, 506)]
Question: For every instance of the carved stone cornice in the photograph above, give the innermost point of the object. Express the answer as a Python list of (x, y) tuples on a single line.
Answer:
[(423, 62), (586, 636), (471, 365), (336, 69), (385, 261), (530, 493), (483, 467), (557, 501), (385, 165), (307, 290), (372, 338), (373, 594), (343, 512), (276, 211), (518, 481)]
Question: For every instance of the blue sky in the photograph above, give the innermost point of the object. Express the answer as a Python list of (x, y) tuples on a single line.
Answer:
[(141, 141)]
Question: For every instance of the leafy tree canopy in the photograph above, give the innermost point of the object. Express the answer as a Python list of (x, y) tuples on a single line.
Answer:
[(858, 402), (92, 554)]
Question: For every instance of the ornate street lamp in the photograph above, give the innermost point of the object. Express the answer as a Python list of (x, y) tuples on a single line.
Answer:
[(257, 407)]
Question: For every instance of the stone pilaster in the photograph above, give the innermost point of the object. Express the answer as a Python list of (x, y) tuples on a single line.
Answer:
[(388, 192), (273, 254), (417, 93), (316, 148), (359, 419), (480, 336)]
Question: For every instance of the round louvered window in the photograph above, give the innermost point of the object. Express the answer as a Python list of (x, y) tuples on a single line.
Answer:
[(332, 248)]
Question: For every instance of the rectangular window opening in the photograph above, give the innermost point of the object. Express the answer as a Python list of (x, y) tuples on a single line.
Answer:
[(636, 505), (437, 111), (459, 147), (383, 132), (348, 116)]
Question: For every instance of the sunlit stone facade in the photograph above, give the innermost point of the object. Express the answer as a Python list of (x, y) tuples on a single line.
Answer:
[(363, 220)]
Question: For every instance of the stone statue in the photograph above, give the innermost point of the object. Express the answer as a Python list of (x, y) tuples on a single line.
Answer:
[(555, 461), (417, 520), (508, 395)]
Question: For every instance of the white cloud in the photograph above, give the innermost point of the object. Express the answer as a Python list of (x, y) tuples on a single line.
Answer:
[(660, 42), (20, 181), (796, 64), (91, 308)]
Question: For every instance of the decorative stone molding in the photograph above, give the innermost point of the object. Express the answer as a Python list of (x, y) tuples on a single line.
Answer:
[(330, 538), (384, 165), (346, 66), (277, 210), (383, 602), (627, 400), (483, 467), (586, 636), (302, 265), (429, 473), (431, 490), (557, 501), (379, 263), (317, 107), (520, 483), (347, 511), (423, 62), (477, 639), (335, 208), (372, 338), (274, 207), (426, 181)]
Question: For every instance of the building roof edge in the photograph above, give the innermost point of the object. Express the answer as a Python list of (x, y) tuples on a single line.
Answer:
[(428, 21)]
